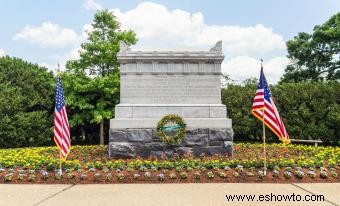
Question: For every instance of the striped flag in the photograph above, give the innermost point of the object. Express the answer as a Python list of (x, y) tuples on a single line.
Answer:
[(265, 110), (61, 125)]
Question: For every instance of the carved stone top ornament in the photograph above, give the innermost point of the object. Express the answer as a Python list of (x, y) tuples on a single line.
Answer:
[(217, 48), (124, 47)]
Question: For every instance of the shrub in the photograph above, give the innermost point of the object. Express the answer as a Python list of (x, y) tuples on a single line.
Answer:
[(58, 176), (172, 176), (45, 175), (287, 174), (183, 175), (313, 102), (260, 174), (147, 175), (323, 174), (31, 177), (109, 177), (210, 174), (197, 175), (276, 173), (120, 176), (9, 177), (311, 174), (161, 177), (222, 174), (71, 175), (26, 104), (334, 174), (299, 174), (236, 174)]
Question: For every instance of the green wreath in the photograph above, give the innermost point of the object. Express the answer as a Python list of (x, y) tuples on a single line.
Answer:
[(178, 125)]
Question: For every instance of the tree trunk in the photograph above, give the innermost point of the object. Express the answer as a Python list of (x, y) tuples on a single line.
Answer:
[(101, 133)]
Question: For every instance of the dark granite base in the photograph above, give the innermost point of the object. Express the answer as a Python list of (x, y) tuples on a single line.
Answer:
[(127, 143)]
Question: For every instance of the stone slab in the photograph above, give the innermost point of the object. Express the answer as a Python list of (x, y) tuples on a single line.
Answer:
[(220, 134), (122, 123), (118, 135), (158, 111), (331, 191), (138, 135), (122, 149), (13, 194)]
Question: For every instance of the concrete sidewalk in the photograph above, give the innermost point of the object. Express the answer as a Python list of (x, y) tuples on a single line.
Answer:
[(163, 194)]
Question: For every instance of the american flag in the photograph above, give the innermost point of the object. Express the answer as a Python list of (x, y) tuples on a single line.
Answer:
[(265, 110), (61, 125)]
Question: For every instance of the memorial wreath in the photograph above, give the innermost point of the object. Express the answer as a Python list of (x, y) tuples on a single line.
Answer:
[(170, 123)]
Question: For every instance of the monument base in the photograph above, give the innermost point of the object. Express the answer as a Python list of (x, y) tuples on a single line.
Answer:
[(127, 143)]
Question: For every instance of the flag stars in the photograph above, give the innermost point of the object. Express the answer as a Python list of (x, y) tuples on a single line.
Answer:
[(59, 96)]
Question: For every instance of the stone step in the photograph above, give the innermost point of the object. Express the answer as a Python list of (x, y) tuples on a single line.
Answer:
[(158, 111)]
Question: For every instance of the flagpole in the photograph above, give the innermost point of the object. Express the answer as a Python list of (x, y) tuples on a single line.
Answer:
[(60, 155), (60, 169), (264, 137), (264, 146)]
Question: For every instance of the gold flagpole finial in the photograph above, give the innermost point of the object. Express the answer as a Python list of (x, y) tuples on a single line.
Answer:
[(58, 70)]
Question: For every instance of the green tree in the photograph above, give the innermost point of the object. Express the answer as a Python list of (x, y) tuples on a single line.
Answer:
[(315, 56), (26, 104), (97, 71)]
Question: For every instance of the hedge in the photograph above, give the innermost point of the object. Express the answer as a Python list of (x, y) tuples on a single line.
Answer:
[(26, 104), (309, 110)]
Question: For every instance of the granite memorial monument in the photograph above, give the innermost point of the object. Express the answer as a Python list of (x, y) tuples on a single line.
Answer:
[(154, 84)]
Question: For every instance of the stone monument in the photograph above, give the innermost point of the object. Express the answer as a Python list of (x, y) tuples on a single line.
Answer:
[(154, 84)]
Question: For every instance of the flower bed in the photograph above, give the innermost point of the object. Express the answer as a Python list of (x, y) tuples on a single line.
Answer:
[(90, 164)]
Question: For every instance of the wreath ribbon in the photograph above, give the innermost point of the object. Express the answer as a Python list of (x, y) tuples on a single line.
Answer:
[(179, 127)]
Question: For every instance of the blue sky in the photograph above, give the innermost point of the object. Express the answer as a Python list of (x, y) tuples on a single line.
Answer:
[(48, 32)]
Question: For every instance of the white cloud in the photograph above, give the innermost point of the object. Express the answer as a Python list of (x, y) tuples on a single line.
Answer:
[(72, 54), (160, 28), (92, 5), (87, 28), (244, 67), (2, 53), (47, 35)]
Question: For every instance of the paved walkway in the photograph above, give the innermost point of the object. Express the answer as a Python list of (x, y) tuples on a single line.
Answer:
[(163, 194)]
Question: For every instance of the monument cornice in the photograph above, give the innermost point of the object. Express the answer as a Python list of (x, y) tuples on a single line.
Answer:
[(170, 56)]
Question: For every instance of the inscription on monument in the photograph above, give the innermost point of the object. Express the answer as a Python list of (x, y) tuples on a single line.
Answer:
[(169, 89)]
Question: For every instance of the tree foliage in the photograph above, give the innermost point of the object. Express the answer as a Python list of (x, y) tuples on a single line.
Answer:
[(98, 56), (26, 104), (89, 100), (309, 110), (93, 80), (315, 56)]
